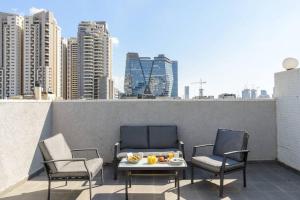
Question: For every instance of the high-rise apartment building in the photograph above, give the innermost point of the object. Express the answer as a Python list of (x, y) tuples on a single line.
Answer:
[(146, 76), (94, 60), (64, 61), (175, 79), (72, 74), (11, 30), (42, 54)]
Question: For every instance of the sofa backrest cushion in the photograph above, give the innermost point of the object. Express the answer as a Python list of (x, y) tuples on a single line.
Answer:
[(55, 148), (163, 137), (229, 140), (135, 137)]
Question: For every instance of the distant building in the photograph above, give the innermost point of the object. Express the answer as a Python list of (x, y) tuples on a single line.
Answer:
[(264, 95), (246, 94), (227, 96), (94, 60), (72, 74), (203, 97), (175, 79), (11, 33), (186, 92), (148, 77), (64, 61), (42, 54), (253, 94)]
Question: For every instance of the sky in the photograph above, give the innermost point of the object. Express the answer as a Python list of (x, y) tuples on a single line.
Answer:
[(230, 44)]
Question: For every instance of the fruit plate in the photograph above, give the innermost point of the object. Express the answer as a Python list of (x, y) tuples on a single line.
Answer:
[(163, 162), (134, 158), (176, 161), (133, 161)]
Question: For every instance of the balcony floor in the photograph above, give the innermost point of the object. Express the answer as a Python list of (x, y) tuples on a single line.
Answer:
[(265, 181)]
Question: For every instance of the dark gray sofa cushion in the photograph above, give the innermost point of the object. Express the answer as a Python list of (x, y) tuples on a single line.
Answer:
[(163, 137), (229, 140), (134, 137)]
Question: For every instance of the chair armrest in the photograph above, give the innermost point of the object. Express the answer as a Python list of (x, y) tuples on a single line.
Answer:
[(200, 146), (116, 150), (234, 152), (65, 160), (87, 149), (69, 160)]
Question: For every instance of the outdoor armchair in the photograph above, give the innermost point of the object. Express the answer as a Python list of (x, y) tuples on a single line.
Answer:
[(229, 155), (60, 162)]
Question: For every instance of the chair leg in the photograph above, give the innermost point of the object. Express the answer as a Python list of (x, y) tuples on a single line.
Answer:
[(49, 188), (221, 184), (66, 182), (244, 177), (192, 174), (90, 188), (102, 177)]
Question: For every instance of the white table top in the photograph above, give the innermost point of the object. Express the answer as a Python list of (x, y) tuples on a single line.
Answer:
[(143, 165)]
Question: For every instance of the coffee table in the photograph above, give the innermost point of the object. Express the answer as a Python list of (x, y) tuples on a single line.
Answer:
[(142, 168)]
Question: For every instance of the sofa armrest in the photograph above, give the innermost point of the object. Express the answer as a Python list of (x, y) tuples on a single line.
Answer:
[(116, 150), (181, 147)]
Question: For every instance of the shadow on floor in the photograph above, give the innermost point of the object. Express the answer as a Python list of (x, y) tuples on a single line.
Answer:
[(42, 195)]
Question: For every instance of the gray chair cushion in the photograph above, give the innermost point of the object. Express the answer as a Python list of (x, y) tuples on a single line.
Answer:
[(214, 163), (77, 169), (163, 137), (147, 152), (55, 148), (134, 137), (229, 140)]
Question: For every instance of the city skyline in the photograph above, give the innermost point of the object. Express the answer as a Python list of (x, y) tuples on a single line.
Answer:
[(234, 51)]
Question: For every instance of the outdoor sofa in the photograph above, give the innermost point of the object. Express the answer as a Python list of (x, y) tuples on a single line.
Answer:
[(151, 140)]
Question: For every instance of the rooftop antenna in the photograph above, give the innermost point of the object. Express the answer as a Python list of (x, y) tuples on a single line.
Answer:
[(200, 86)]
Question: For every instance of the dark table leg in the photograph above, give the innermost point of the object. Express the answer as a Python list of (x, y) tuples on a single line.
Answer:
[(130, 179), (126, 185), (178, 186)]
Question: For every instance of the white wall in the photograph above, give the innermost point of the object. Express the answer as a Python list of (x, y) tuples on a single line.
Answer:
[(97, 123), (22, 125), (287, 93)]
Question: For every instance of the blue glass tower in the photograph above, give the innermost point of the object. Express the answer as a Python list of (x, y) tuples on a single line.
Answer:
[(144, 75)]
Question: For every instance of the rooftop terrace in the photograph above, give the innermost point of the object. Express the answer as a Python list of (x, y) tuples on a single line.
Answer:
[(273, 126)]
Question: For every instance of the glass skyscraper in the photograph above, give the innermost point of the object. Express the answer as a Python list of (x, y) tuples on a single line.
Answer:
[(146, 76)]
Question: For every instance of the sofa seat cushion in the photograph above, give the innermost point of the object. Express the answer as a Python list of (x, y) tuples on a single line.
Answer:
[(134, 137), (77, 169), (147, 152), (214, 163), (163, 137)]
